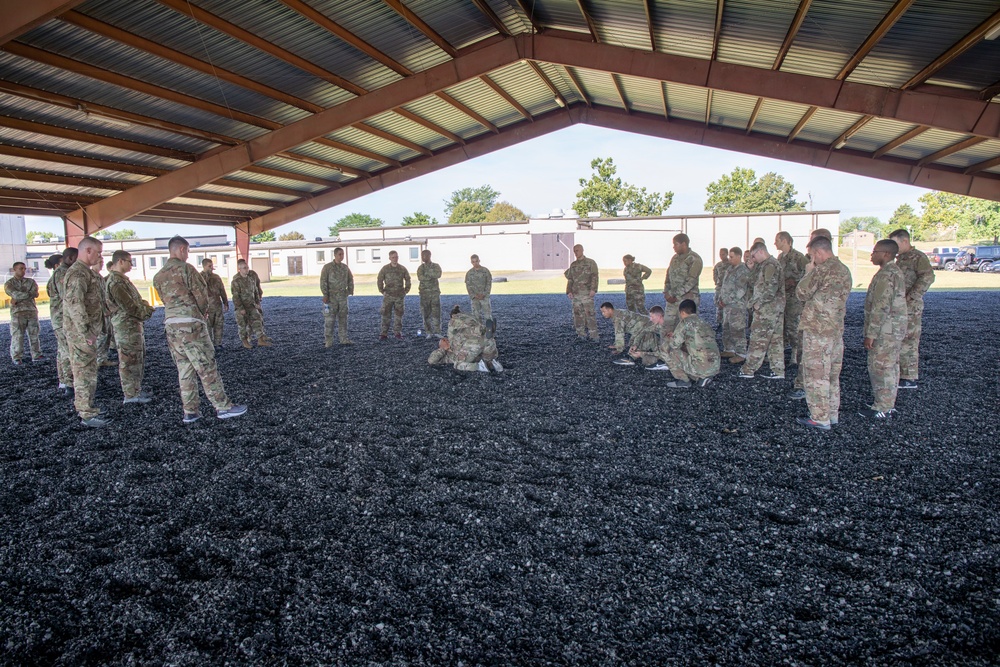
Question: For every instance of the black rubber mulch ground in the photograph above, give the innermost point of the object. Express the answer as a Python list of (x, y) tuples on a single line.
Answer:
[(373, 510)]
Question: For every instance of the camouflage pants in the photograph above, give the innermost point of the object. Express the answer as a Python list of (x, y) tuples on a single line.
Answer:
[(909, 352), (64, 369), (481, 308), (392, 306), (83, 360), (335, 315), (215, 320), (635, 300), (430, 310), (883, 370), (21, 324), (250, 323), (131, 343), (467, 356), (793, 337), (584, 318), (194, 355), (819, 374), (766, 340), (683, 367), (734, 330), (105, 341)]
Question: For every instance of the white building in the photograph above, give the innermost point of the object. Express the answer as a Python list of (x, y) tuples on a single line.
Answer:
[(13, 241)]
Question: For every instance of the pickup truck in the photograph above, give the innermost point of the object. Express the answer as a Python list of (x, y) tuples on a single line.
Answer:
[(944, 257)]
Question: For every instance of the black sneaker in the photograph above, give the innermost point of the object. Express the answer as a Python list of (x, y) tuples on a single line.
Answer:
[(774, 376), (659, 366), (875, 414), (491, 328), (191, 417), (679, 384), (234, 411), (704, 382), (95, 422), (806, 421), (797, 394), (907, 384)]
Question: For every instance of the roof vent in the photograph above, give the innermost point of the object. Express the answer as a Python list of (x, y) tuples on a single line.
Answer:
[(556, 213), (319, 238)]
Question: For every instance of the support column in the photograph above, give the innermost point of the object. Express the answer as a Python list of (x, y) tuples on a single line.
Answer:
[(74, 232), (242, 243)]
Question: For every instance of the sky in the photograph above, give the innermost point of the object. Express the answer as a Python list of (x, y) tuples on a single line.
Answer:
[(543, 174)]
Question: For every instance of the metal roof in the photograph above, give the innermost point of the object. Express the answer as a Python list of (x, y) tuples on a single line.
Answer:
[(117, 109)]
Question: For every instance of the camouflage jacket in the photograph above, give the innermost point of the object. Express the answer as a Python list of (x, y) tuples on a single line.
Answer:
[(582, 276), (252, 275), (633, 324), (393, 280), (336, 280), (479, 281), (54, 290), (24, 291), (719, 272), (83, 313), (885, 304), (464, 329), (216, 290), (428, 275), (736, 286), (793, 265), (823, 293), (634, 274), (124, 303), (769, 290), (917, 273), (244, 291), (694, 336), (682, 275), (182, 290)]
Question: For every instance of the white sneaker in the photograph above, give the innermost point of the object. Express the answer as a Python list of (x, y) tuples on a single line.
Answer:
[(497, 366), (482, 368), (623, 361)]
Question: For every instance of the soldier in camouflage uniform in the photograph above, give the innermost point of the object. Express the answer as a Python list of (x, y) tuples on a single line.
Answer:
[(64, 369), (919, 277), (128, 312), (681, 282), (218, 302), (252, 275), (83, 322), (336, 282), (470, 345), (823, 292), (582, 279), (793, 265), (185, 308), (635, 291), (393, 283), (885, 328), (23, 314), (641, 330), (479, 285), (733, 299), (798, 391), (106, 340), (246, 305), (691, 351), (767, 328), (719, 272), (428, 275)]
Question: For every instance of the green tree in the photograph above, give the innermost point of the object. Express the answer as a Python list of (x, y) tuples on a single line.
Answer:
[(124, 235), (467, 211), (40, 237), (355, 220), (262, 237), (866, 223), (981, 221), (742, 192), (942, 215), (608, 194), (292, 236), (418, 218), (484, 195), (504, 212), (904, 217)]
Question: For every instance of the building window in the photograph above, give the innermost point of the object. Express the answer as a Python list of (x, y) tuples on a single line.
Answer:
[(359, 254), (198, 259), (320, 256), (152, 262), (414, 254), (134, 265), (225, 260), (376, 254)]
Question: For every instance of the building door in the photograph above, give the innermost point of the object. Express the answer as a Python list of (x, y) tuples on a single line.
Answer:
[(262, 265), (295, 266), (551, 251)]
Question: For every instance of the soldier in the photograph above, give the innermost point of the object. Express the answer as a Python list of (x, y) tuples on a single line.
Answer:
[(884, 329), (823, 293), (218, 302), (692, 353), (336, 282), (479, 285), (919, 277), (246, 305), (23, 314), (185, 304), (734, 297), (252, 275), (394, 284), (582, 278), (767, 328), (719, 272), (635, 291), (106, 340), (128, 312), (793, 266), (641, 331), (682, 280), (428, 275), (470, 345), (798, 391), (64, 369), (83, 322)]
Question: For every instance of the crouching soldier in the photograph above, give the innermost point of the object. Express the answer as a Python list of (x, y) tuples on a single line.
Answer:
[(641, 331), (470, 345), (691, 352)]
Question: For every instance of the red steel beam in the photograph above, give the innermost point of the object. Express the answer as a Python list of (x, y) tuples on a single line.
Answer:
[(507, 96), (578, 85), (389, 136), (488, 12), (793, 30), (900, 140), (468, 111), (591, 26), (960, 47), (530, 13), (419, 24), (93, 138), (983, 166), (648, 6), (18, 18), (720, 8), (876, 35), (950, 150)]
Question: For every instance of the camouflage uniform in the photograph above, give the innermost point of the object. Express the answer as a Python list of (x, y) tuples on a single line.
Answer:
[(823, 294), (691, 352), (719, 272), (54, 288), (918, 276), (428, 274), (582, 279), (23, 317), (128, 312), (83, 318), (216, 298), (735, 291), (635, 291), (885, 324), (252, 275), (469, 345), (767, 328), (641, 331), (106, 340), (681, 283), (793, 265), (479, 281), (246, 305), (185, 304), (394, 284), (336, 282)]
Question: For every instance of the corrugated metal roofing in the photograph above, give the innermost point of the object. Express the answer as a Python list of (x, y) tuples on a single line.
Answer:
[(687, 102), (779, 118), (524, 86), (927, 143), (732, 110), (621, 22), (445, 115), (825, 126), (685, 28), (754, 30), (972, 155), (643, 94), (877, 133), (460, 23), (370, 142), (559, 15), (73, 147), (483, 100)]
